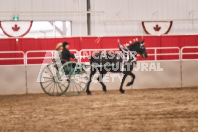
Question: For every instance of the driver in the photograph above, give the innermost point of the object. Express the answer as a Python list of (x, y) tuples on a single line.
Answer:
[(66, 53)]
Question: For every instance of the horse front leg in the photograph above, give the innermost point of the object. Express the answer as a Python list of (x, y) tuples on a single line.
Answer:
[(123, 79), (133, 78), (102, 74)]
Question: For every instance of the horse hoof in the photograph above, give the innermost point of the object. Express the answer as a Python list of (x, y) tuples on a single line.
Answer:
[(122, 91), (89, 93), (104, 90), (128, 84)]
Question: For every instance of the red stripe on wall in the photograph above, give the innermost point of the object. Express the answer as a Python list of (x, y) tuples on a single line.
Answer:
[(78, 43)]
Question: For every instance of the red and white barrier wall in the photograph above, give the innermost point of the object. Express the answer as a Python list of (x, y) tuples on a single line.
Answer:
[(180, 67)]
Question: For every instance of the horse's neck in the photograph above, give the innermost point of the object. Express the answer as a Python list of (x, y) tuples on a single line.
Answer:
[(133, 50)]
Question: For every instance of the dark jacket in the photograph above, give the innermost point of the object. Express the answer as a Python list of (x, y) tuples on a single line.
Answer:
[(66, 55)]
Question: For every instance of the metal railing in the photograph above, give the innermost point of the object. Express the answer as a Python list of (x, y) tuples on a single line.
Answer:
[(83, 55), (163, 54), (14, 58), (155, 54), (49, 54), (26, 56), (189, 53)]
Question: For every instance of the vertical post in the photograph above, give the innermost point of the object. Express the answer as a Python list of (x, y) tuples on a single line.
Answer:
[(155, 54), (25, 64), (54, 28), (181, 73), (64, 29), (24, 58), (88, 17)]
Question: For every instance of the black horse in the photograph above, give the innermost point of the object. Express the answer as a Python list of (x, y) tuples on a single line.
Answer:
[(118, 62)]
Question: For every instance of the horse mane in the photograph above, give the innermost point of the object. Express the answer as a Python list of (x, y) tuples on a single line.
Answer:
[(133, 45)]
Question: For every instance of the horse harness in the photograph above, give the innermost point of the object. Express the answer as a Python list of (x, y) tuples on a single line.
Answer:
[(125, 55)]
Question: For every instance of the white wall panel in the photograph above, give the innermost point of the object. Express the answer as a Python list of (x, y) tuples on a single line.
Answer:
[(189, 73), (7, 5), (169, 77), (22, 5), (12, 80), (144, 10), (33, 85), (113, 10)]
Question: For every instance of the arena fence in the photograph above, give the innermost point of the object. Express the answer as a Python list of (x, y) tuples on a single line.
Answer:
[(180, 70), (13, 56), (155, 53), (191, 51), (42, 56)]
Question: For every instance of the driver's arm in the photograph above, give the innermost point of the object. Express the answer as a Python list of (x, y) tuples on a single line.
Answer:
[(71, 55)]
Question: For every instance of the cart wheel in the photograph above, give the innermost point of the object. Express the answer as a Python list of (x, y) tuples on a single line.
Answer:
[(52, 82), (78, 78)]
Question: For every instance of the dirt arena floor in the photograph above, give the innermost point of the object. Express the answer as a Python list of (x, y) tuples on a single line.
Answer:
[(161, 110)]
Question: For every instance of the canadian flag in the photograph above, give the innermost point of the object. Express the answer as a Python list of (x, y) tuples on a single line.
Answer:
[(16, 28), (157, 27)]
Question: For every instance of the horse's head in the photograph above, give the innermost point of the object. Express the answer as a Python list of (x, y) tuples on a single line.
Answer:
[(139, 47)]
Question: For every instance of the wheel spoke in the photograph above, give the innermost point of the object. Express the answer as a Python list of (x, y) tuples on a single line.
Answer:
[(59, 91), (48, 85), (76, 87), (73, 87), (50, 89), (47, 81), (48, 73), (50, 70), (56, 89), (70, 86), (62, 84), (49, 78), (60, 87), (79, 85), (53, 88)]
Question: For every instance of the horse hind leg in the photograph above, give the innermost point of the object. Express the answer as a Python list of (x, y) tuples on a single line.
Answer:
[(102, 74), (90, 78), (123, 79), (133, 78)]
